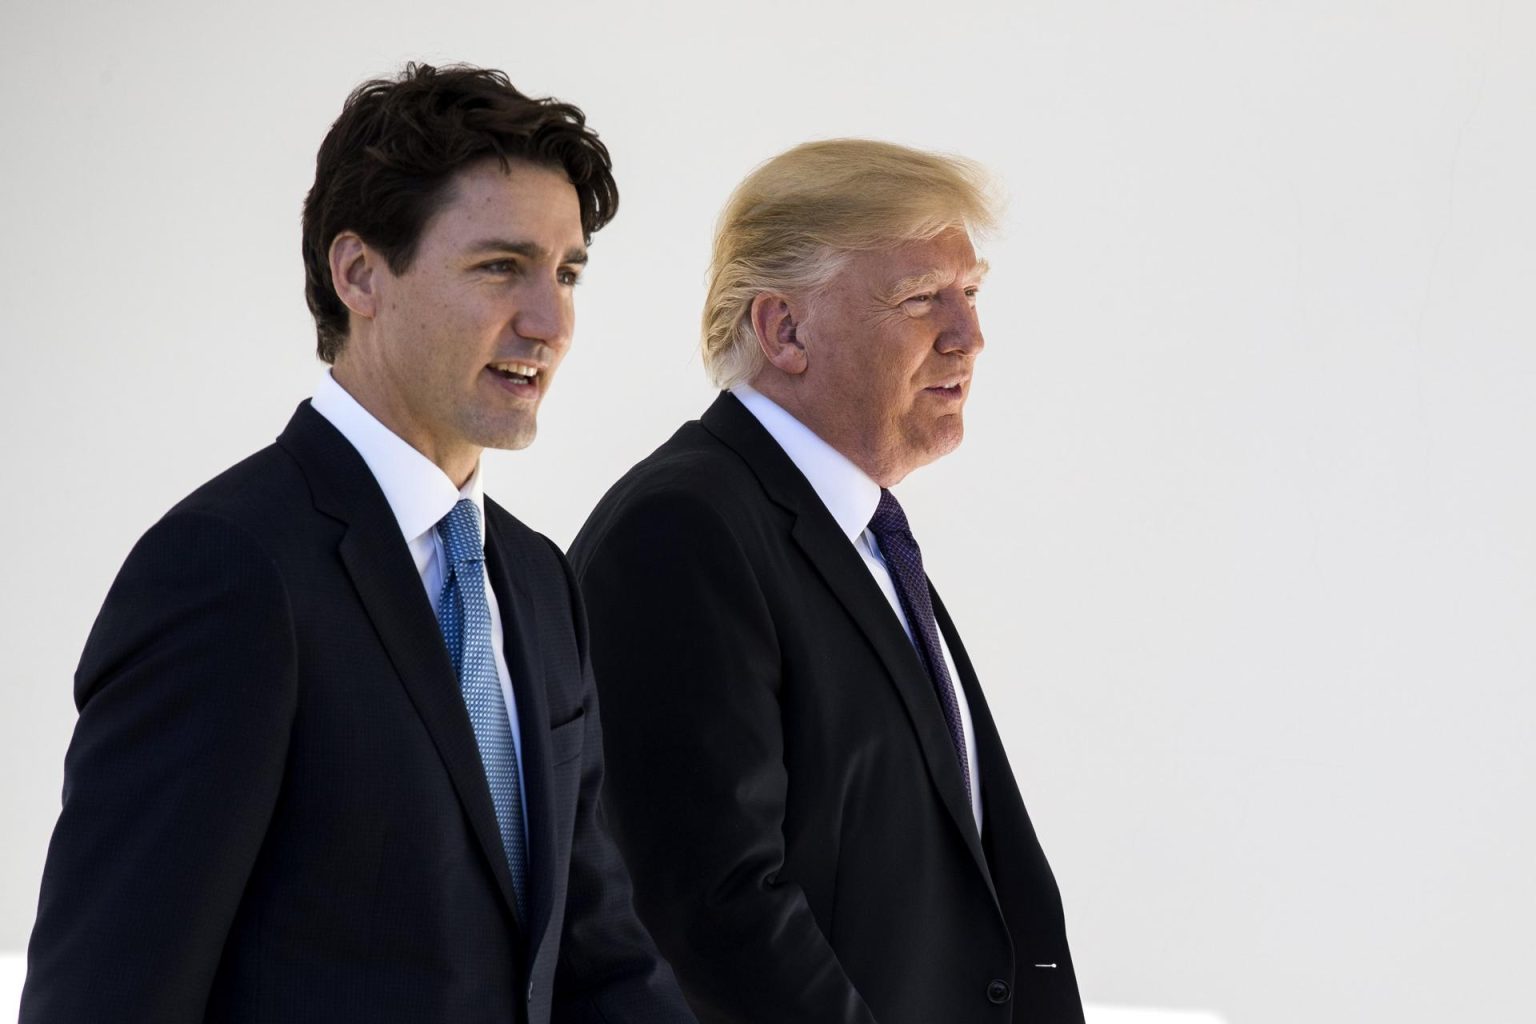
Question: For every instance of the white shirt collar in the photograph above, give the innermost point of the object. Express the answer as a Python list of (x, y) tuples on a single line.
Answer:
[(847, 491), (418, 492)]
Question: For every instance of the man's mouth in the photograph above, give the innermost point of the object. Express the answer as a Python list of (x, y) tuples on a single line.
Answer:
[(516, 373), (948, 389)]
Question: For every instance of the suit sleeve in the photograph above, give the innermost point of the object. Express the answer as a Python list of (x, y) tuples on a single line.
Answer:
[(609, 971), (687, 658), (186, 693)]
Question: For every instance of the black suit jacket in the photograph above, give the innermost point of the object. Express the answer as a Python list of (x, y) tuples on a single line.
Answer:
[(274, 807), (781, 780)]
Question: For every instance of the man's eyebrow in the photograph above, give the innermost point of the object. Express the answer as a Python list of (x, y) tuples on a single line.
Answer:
[(916, 283), (928, 280), (527, 250)]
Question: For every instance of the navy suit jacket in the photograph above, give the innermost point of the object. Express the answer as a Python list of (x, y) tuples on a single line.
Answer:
[(274, 808), (783, 780)]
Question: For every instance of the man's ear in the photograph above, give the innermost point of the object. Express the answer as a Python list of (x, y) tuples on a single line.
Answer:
[(775, 322), (354, 268)]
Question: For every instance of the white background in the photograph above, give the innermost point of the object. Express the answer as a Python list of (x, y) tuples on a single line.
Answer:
[(1243, 535)]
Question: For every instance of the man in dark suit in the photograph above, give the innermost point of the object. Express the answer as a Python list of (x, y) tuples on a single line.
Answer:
[(804, 777), (338, 755)]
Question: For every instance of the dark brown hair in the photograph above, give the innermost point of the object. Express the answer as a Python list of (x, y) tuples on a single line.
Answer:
[(385, 166)]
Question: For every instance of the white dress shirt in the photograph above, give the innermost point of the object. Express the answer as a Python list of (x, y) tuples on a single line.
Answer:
[(851, 496), (420, 495)]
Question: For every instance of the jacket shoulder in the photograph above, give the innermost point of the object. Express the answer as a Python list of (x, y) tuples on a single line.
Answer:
[(250, 491), (693, 473)]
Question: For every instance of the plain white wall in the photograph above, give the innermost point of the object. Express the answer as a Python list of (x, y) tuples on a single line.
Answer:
[(1241, 538)]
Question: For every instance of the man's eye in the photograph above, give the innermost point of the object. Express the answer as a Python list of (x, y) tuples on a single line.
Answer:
[(500, 266), (923, 299), (570, 278)]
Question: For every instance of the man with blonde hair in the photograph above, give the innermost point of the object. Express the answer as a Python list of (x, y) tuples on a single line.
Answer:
[(804, 777)]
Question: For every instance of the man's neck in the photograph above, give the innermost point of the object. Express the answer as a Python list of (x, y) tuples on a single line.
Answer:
[(458, 463), (787, 397)]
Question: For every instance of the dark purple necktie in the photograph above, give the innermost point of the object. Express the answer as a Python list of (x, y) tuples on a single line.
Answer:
[(905, 561)]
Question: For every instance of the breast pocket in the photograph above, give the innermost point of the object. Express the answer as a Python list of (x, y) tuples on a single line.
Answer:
[(566, 739)]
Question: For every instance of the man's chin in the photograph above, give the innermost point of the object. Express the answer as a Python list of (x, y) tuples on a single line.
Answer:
[(917, 453), (944, 437), (511, 438)]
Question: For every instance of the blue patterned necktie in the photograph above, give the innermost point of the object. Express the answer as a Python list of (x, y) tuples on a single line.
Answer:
[(465, 618), (905, 560)]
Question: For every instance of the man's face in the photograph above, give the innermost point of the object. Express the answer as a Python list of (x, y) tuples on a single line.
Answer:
[(465, 343), (890, 347)]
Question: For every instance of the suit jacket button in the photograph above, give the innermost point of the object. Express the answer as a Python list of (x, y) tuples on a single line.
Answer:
[(997, 991)]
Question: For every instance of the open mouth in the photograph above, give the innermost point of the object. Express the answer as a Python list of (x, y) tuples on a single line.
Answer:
[(952, 390), (516, 373)]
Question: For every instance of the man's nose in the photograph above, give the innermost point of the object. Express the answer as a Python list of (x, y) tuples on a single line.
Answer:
[(963, 331), (545, 313)]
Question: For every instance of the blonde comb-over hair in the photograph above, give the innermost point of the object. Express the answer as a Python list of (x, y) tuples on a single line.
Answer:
[(790, 227)]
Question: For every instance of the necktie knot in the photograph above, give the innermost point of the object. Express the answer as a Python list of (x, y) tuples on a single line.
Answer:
[(889, 519), (460, 531)]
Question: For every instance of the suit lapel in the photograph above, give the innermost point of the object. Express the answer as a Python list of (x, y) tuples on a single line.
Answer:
[(991, 764), (839, 565), (377, 559), (520, 630)]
